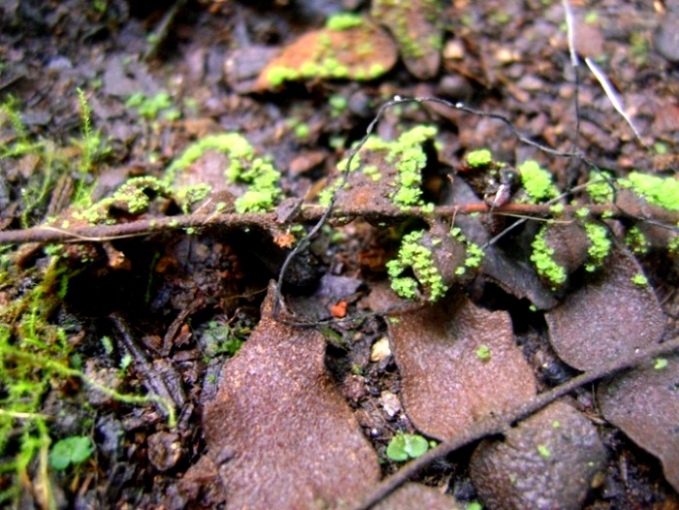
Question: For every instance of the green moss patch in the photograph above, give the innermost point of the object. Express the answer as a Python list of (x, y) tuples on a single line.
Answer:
[(537, 182), (244, 167), (660, 191)]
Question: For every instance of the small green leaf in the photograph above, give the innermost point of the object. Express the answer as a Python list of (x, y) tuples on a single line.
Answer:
[(70, 450), (407, 446), (397, 448)]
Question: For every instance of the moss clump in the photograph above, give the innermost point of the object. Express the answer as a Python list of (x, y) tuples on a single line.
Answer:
[(473, 252), (537, 181), (409, 158), (543, 258), (600, 245), (133, 197), (479, 158), (343, 21), (636, 241), (244, 167), (660, 191), (413, 255), (600, 188)]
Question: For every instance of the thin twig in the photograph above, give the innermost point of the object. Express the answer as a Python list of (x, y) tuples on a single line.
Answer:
[(497, 425)]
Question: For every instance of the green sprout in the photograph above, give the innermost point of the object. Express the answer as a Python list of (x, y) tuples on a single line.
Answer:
[(660, 191), (417, 257), (545, 265), (479, 158), (406, 446), (537, 181), (600, 245), (71, 450)]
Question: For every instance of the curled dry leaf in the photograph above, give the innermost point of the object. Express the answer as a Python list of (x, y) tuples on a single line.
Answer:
[(279, 431), (362, 52), (416, 495), (644, 403), (609, 317), (548, 461), (458, 363)]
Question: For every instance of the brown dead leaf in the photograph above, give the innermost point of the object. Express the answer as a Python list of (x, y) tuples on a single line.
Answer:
[(416, 495), (414, 26), (608, 317), (548, 461), (644, 404), (279, 430), (458, 363), (363, 52)]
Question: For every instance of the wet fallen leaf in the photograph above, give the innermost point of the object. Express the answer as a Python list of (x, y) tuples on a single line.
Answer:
[(644, 404), (416, 495), (609, 317), (279, 430), (362, 52), (548, 461), (446, 385)]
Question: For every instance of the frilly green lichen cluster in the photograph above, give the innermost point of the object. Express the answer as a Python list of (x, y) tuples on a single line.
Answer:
[(413, 255), (537, 181), (474, 253), (660, 191), (244, 167), (408, 158), (599, 245), (543, 258)]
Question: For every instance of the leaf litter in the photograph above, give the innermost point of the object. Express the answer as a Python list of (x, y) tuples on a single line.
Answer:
[(279, 432)]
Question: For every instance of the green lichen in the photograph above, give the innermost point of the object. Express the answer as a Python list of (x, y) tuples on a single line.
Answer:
[(660, 191), (408, 158), (542, 258), (483, 352), (600, 188), (343, 21), (544, 451), (244, 167), (418, 258), (582, 213), (473, 252), (599, 247), (537, 181), (133, 197), (636, 241), (278, 75), (479, 158), (640, 279)]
